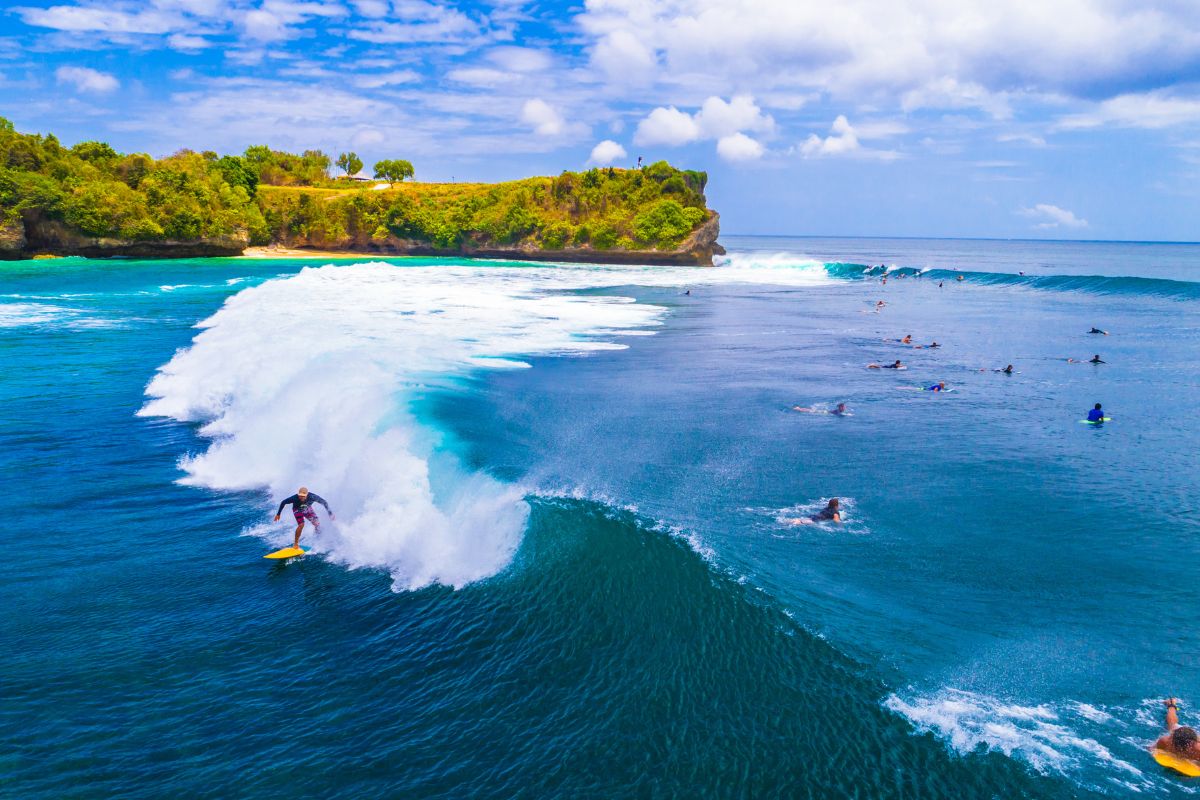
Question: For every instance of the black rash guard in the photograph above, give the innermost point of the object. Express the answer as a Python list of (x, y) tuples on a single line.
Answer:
[(305, 504)]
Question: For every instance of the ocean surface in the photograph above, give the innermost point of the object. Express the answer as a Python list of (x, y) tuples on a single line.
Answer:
[(563, 563)]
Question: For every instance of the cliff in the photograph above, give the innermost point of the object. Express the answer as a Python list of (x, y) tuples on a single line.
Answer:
[(90, 200)]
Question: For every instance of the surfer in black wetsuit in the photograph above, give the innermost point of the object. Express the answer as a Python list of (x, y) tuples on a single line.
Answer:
[(832, 512), (302, 509)]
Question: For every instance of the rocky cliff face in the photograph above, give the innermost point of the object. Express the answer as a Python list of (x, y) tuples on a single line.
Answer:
[(12, 239), (697, 250), (34, 236), (30, 237)]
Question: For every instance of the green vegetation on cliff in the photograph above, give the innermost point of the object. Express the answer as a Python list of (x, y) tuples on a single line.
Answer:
[(266, 196), (656, 207)]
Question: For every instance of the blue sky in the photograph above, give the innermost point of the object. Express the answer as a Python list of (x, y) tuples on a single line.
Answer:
[(1019, 118)]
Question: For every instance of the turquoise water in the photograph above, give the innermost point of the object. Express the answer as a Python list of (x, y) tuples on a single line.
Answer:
[(561, 564)]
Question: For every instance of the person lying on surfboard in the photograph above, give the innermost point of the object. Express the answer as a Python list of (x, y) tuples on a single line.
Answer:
[(832, 512), (302, 502), (1179, 739)]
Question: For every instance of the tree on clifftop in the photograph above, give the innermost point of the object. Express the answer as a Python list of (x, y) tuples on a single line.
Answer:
[(393, 170), (349, 163)]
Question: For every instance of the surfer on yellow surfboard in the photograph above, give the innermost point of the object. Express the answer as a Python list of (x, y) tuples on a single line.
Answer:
[(1179, 747), (302, 510)]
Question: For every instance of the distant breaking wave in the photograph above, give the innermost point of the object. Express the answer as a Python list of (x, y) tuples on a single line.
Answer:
[(1092, 284)]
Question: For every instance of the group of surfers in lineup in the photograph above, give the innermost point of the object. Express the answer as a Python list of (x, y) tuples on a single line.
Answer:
[(832, 510)]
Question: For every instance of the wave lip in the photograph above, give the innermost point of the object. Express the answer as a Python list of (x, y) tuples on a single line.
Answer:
[(310, 379)]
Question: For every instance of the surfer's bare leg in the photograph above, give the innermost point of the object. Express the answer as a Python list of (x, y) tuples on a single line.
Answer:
[(299, 528)]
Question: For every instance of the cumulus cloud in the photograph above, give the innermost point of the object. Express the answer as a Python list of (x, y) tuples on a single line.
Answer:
[(726, 122), (667, 126), (542, 117), (85, 79), (1052, 216), (962, 52), (622, 56), (607, 152), (718, 119), (844, 140), (738, 147)]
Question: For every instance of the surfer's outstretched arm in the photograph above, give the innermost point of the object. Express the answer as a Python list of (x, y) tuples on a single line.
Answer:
[(1172, 713), (316, 498), (283, 503)]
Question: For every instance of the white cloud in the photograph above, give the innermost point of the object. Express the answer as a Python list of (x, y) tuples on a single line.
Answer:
[(1149, 110), (371, 8), (187, 43), (913, 53), (386, 79), (422, 23), (622, 56), (607, 152), (948, 93), (1024, 138), (843, 140), (106, 20), (544, 120), (85, 79), (481, 76), (263, 26), (717, 119), (667, 126), (725, 122), (520, 59), (738, 147), (1053, 217)]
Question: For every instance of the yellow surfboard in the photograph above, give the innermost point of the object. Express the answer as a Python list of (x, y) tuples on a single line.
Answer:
[(1172, 761), (287, 552)]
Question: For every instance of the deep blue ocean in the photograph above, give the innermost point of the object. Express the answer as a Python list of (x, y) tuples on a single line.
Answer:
[(563, 563)]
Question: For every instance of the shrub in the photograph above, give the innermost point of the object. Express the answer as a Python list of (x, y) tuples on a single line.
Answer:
[(666, 223)]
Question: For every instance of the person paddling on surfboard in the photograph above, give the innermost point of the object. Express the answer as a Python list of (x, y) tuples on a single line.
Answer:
[(1179, 739), (1096, 414), (832, 512), (302, 509)]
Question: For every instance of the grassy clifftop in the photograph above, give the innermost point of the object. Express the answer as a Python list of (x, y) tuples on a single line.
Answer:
[(90, 199)]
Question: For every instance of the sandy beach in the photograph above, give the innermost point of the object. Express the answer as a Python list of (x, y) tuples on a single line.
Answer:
[(273, 251)]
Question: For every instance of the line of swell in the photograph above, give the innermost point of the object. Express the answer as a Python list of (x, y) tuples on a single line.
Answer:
[(1093, 284)]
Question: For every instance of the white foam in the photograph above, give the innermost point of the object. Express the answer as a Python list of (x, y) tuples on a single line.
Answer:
[(16, 315), (308, 379), (1050, 738)]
